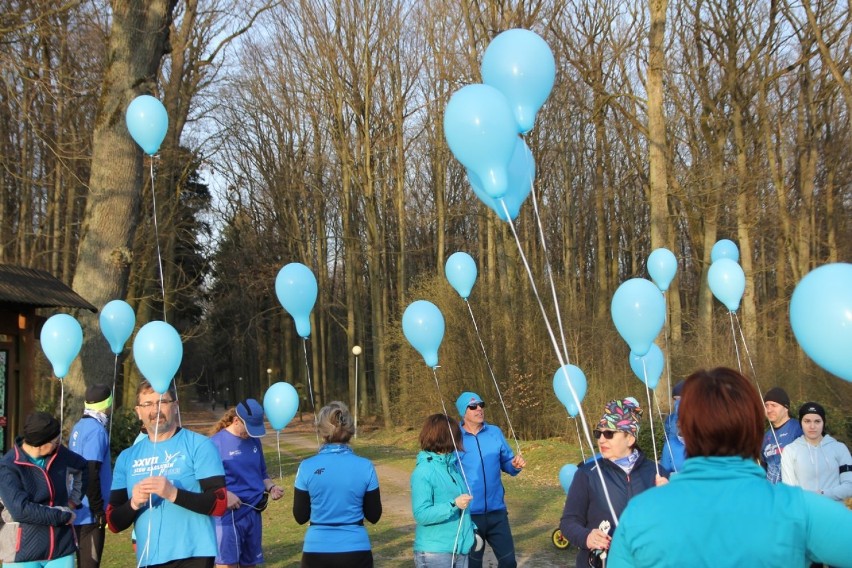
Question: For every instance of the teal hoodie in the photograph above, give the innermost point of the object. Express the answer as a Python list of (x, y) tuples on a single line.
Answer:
[(435, 484)]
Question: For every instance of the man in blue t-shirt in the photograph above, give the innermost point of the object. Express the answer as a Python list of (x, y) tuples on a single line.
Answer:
[(89, 438), (169, 486), (239, 532), (782, 431)]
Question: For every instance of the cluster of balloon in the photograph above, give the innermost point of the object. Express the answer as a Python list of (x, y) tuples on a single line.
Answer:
[(638, 311), (726, 277), (648, 368), (61, 339), (566, 379), (158, 352), (662, 267), (821, 317), (117, 321), (296, 288), (147, 121), (566, 476), (280, 403), (482, 121), (461, 273), (423, 327)]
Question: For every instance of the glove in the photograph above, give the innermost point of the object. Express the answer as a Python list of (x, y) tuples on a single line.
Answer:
[(100, 519)]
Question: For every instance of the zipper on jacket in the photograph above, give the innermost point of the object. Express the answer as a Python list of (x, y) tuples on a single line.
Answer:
[(484, 479)]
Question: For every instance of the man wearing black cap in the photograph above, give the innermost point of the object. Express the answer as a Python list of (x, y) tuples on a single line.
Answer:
[(782, 431), (89, 439), (39, 513)]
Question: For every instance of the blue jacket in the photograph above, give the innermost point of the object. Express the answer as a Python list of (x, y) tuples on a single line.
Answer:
[(721, 511), (674, 451), (435, 484), (586, 506), (485, 455), (32, 496)]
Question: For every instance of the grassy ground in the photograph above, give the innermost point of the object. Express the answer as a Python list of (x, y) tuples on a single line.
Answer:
[(534, 499)]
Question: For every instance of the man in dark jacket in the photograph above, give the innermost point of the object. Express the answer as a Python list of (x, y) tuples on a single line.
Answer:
[(39, 512)]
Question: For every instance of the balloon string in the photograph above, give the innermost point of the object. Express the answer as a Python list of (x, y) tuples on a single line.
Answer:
[(114, 375), (668, 359), (651, 408), (493, 378), (355, 435), (665, 433), (450, 427), (580, 440), (145, 551), (560, 359), (61, 407), (278, 441), (157, 239), (736, 343), (310, 388)]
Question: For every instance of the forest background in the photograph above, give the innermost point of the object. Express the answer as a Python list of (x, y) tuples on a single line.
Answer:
[(311, 131)]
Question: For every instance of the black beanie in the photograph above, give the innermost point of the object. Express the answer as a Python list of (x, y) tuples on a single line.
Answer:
[(812, 408), (779, 395), (40, 428)]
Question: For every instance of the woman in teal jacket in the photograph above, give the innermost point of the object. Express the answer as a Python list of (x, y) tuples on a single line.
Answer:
[(439, 496), (720, 510)]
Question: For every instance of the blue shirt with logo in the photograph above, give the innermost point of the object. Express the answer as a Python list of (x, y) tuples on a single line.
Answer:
[(771, 449), (336, 480), (90, 439), (245, 470)]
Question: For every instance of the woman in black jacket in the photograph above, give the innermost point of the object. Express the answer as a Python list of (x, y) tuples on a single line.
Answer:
[(39, 512), (586, 519)]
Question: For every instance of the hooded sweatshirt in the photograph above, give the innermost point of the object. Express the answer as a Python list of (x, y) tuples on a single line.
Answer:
[(825, 468), (435, 484)]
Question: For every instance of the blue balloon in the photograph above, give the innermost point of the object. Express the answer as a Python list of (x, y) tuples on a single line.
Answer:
[(147, 121), (520, 64), (423, 326), (727, 282), (561, 378), (117, 321), (480, 130), (61, 339), (158, 352), (461, 273), (662, 266), (566, 476), (296, 288), (280, 404), (725, 249), (653, 362), (821, 317), (638, 311), (521, 176)]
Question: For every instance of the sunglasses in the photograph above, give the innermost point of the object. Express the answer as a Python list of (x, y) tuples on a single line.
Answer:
[(608, 434), (476, 405)]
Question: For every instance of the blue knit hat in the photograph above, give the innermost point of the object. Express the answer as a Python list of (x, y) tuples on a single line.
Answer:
[(465, 399)]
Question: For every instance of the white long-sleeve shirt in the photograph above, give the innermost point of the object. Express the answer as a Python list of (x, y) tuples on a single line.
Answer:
[(825, 468)]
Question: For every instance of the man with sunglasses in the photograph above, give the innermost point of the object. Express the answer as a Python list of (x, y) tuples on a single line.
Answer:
[(168, 485), (486, 453)]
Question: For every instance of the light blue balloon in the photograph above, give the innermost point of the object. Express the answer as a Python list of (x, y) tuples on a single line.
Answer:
[(158, 352), (461, 273), (821, 317), (423, 326), (653, 366), (61, 339), (638, 311), (147, 121), (725, 249), (566, 476), (296, 288), (520, 64), (521, 176), (662, 267), (561, 378), (280, 403), (117, 321), (480, 130), (727, 282)]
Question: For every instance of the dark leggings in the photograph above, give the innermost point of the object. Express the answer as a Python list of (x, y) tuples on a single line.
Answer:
[(357, 559), (202, 562)]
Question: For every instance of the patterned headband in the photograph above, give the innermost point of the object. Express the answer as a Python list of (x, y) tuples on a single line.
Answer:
[(621, 415)]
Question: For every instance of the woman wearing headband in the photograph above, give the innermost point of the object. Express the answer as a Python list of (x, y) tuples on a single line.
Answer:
[(336, 490), (587, 519), (439, 496), (720, 510)]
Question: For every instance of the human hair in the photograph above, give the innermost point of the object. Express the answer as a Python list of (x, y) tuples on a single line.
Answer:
[(145, 386), (440, 435), (226, 420), (334, 423), (721, 414)]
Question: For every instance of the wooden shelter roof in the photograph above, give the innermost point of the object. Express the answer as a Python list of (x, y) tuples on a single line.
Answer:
[(33, 287)]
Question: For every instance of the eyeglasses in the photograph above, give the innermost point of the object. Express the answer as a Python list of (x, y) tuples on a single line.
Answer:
[(476, 405), (150, 404), (608, 434)]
